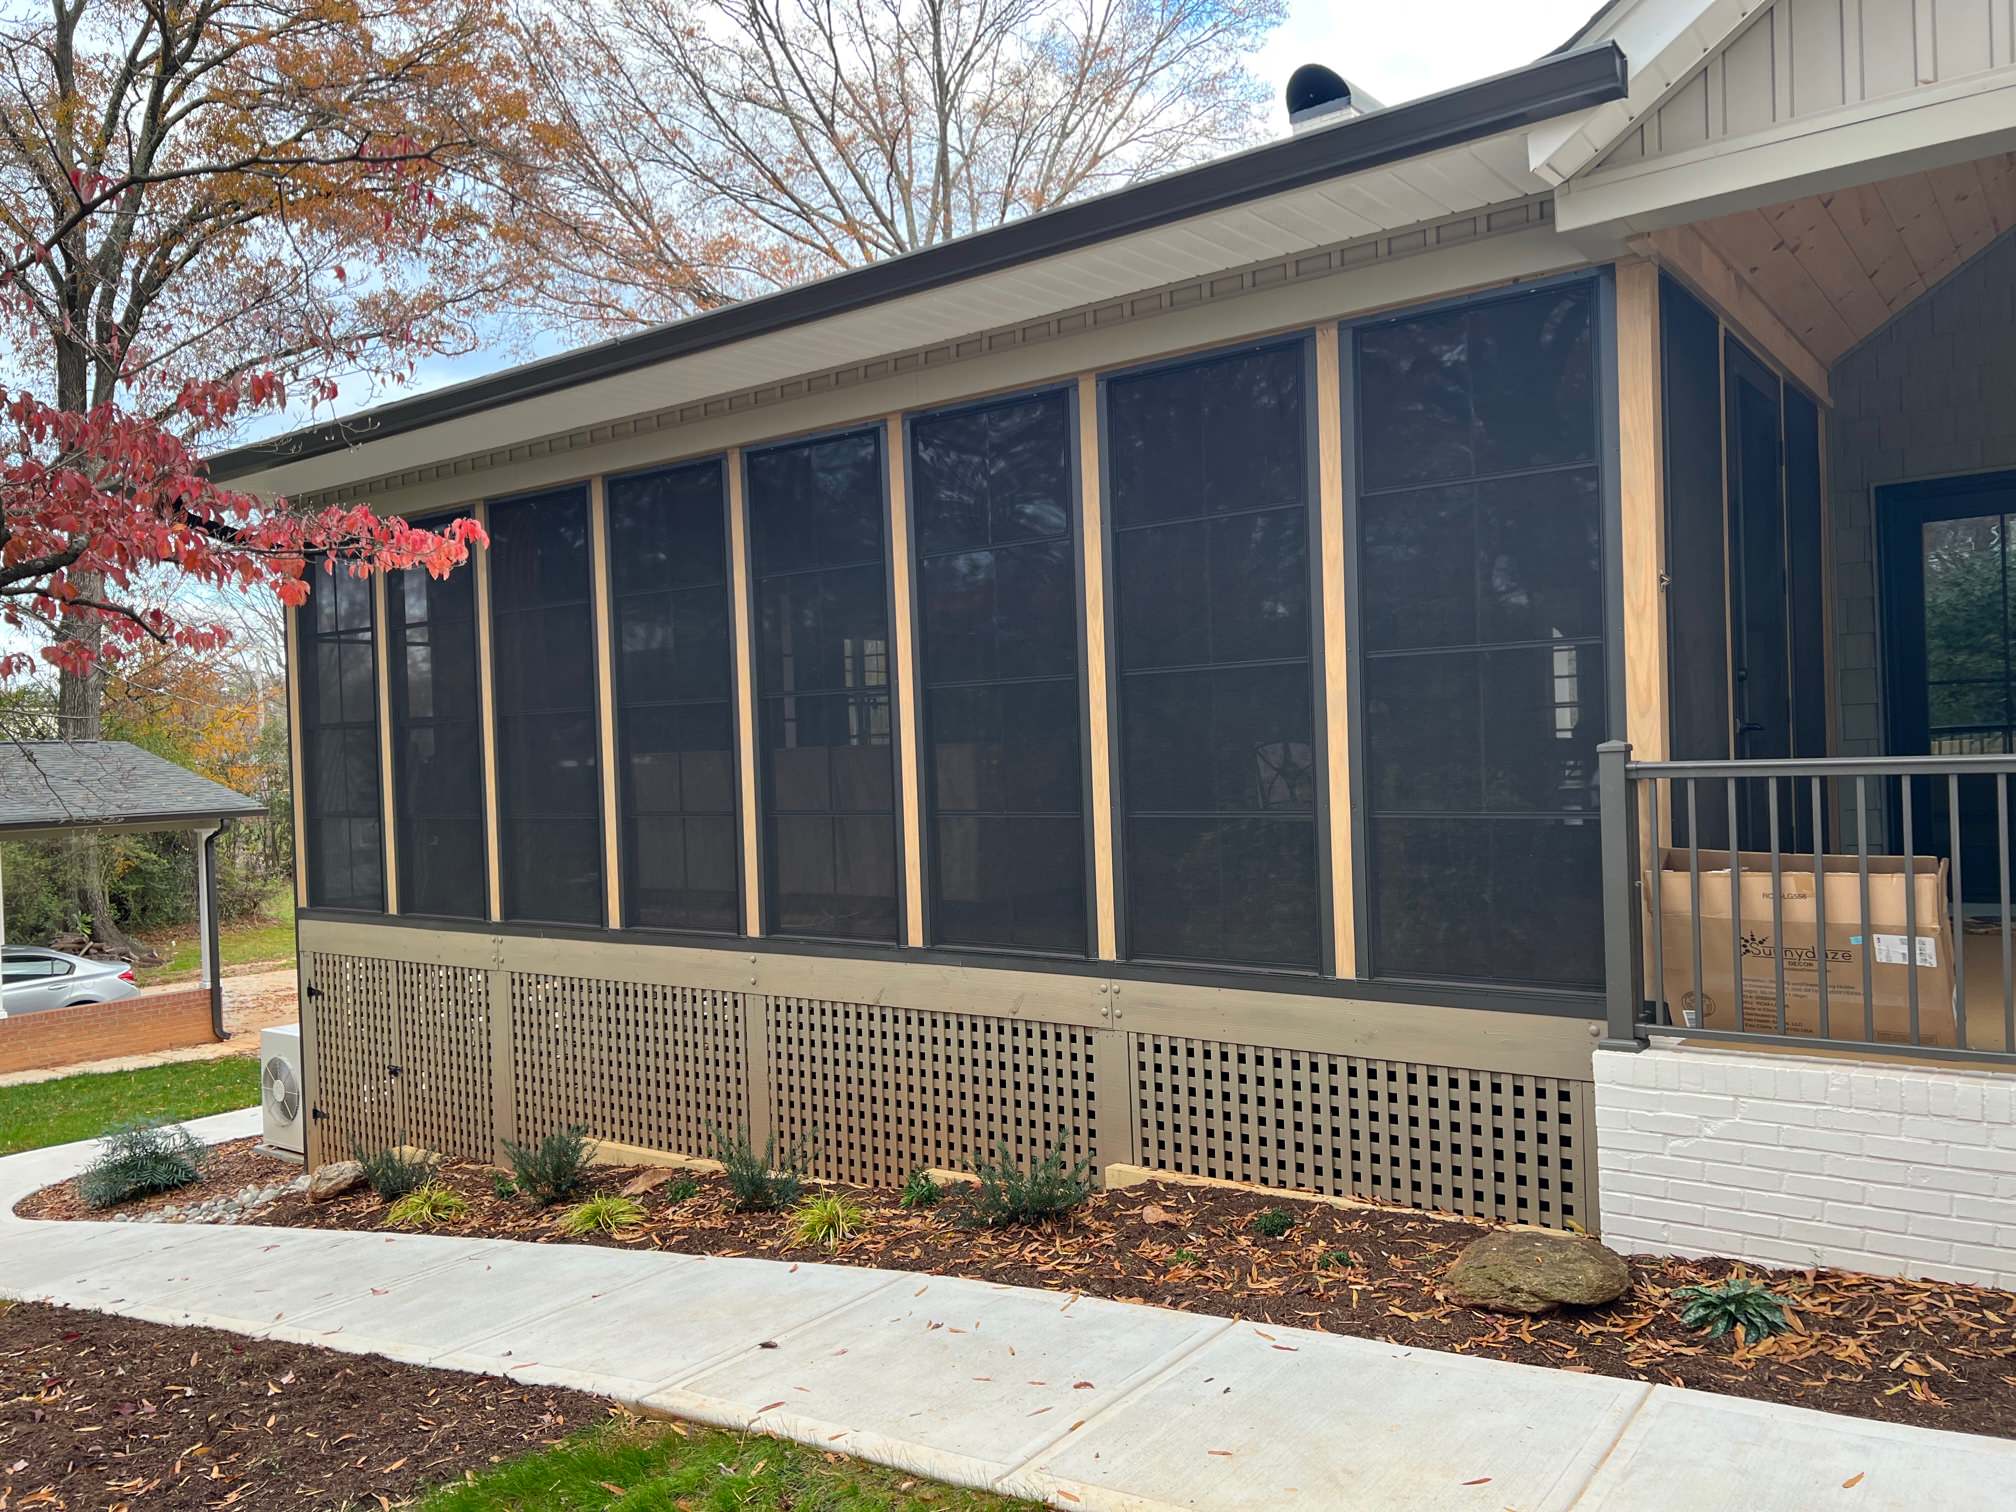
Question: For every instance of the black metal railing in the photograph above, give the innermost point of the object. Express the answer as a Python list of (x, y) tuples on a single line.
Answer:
[(1818, 903)]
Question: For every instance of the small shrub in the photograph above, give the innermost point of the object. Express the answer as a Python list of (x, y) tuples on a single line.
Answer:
[(1186, 1257), (1272, 1223), (1009, 1194), (139, 1160), (502, 1187), (427, 1207), (396, 1173), (555, 1168), (825, 1221), (685, 1189), (1337, 1260), (606, 1213), (919, 1190), (762, 1183), (1736, 1303)]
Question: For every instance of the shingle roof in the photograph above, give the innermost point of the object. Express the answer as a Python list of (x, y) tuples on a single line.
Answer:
[(62, 784)]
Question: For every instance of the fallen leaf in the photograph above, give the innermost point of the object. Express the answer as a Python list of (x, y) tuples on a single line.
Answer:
[(1853, 1481), (1154, 1212)]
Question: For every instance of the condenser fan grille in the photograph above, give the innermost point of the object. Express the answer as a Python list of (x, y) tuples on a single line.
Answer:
[(282, 1090)]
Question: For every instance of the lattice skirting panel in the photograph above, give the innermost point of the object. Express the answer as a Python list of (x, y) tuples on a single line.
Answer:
[(1486, 1143), (639, 1063), (871, 1093), (491, 1040)]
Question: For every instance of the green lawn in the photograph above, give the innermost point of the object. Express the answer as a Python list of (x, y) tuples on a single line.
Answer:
[(662, 1467), (268, 938), (83, 1107)]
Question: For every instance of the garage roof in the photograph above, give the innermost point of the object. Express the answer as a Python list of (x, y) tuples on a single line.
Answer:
[(56, 786)]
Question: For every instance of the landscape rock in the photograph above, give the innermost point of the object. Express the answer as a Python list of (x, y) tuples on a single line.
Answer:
[(334, 1179), (1532, 1271)]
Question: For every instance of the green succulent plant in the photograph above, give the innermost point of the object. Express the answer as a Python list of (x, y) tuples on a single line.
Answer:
[(1738, 1302)]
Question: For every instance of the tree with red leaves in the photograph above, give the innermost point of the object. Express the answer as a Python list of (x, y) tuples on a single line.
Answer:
[(91, 503), (202, 204)]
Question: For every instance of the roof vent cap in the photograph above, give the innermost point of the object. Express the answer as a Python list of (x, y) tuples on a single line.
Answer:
[(1319, 96)]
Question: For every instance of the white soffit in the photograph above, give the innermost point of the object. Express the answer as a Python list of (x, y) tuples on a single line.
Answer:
[(1424, 189), (1663, 41)]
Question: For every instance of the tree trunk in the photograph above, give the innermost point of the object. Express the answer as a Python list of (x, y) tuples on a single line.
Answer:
[(80, 706)]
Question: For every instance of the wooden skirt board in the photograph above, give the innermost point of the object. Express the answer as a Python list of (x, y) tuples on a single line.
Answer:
[(458, 1041)]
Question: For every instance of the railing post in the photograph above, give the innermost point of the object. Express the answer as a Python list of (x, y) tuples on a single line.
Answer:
[(1623, 956)]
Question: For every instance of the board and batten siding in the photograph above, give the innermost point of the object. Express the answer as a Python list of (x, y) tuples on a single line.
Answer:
[(1800, 59), (1925, 397)]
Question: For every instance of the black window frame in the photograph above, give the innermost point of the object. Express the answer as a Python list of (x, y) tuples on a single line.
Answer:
[(914, 719), (727, 467), (1320, 676), (307, 687), (394, 642), (1545, 996), (596, 630), (752, 591)]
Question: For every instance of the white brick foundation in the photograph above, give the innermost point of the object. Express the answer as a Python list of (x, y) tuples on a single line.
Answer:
[(1790, 1160)]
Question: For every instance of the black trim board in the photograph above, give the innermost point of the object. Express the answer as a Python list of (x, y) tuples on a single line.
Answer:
[(1553, 86)]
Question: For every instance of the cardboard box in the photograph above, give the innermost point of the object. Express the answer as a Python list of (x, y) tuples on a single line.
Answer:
[(1792, 939)]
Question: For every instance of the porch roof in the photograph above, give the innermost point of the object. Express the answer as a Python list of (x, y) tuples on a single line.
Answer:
[(55, 786), (1448, 153)]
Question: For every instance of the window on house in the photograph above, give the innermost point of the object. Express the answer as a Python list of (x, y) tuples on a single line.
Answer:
[(341, 799), (543, 653), (822, 679), (997, 596), (1480, 592), (437, 742), (1209, 475), (675, 730)]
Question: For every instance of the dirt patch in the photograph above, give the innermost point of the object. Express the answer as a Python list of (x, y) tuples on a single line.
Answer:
[(1923, 1353), (102, 1412)]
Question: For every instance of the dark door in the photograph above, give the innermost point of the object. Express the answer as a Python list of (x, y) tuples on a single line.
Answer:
[(1760, 641), (1947, 627)]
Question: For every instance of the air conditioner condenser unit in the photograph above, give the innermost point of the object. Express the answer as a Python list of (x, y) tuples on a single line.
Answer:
[(280, 1094)]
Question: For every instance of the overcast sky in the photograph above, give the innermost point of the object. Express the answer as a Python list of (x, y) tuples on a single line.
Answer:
[(1394, 52)]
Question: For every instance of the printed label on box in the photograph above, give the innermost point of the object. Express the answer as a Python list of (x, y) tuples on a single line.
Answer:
[(1890, 951)]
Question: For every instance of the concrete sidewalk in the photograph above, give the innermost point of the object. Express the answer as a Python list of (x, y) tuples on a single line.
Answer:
[(1076, 1401)]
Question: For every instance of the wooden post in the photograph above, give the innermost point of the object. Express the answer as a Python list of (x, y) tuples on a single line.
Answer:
[(749, 737), (1335, 662), (605, 703), (1099, 755), (905, 727)]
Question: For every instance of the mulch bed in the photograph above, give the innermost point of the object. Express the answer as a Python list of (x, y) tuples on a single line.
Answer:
[(100, 1412), (1925, 1353)]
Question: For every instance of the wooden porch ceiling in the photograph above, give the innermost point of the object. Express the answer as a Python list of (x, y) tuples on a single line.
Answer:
[(1834, 267)]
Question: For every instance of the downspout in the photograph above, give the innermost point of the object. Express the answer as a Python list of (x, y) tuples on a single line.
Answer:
[(206, 924)]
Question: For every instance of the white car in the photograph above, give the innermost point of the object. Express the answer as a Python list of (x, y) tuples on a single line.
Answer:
[(37, 978)]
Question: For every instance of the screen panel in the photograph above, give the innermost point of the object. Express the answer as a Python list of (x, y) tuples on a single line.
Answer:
[(1480, 600), (549, 785), (675, 727), (994, 505), (342, 799), (827, 761), (1697, 610), (437, 742), (1208, 470)]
